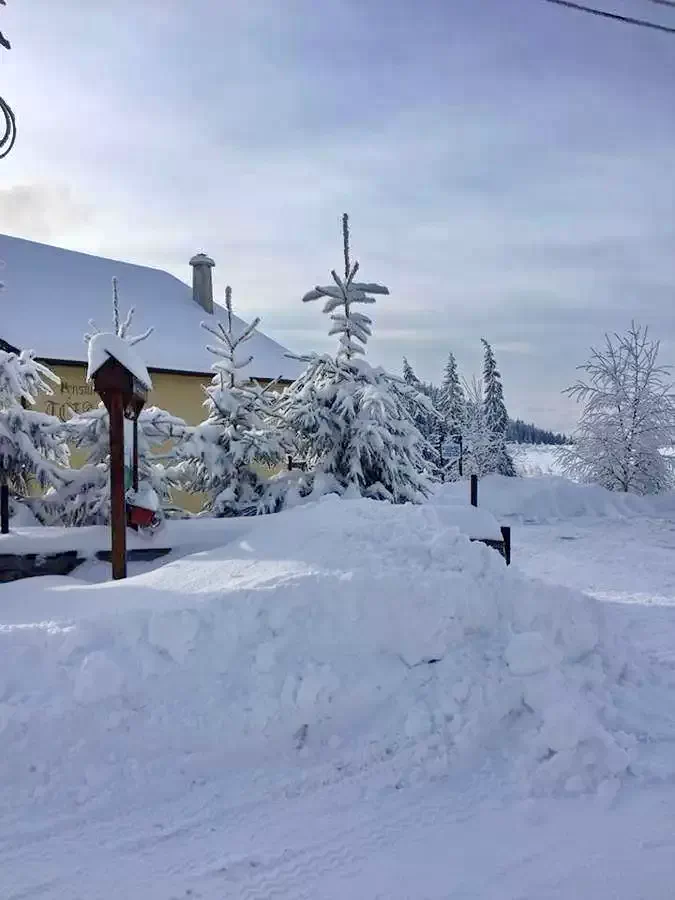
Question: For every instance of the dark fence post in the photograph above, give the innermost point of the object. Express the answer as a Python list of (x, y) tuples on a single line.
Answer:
[(290, 463), (506, 535), (4, 507), (474, 490)]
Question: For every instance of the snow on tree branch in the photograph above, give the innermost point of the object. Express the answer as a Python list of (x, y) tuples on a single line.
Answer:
[(354, 328), (120, 327)]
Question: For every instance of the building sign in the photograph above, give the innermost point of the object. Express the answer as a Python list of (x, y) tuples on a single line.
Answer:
[(73, 395)]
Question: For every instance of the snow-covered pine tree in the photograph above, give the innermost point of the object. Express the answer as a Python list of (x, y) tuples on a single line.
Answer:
[(85, 499), (32, 446), (452, 406), (495, 410), (352, 418), (224, 455), (628, 419), (422, 409), (482, 443)]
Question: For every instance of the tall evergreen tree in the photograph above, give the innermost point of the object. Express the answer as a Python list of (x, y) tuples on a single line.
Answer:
[(483, 446), (453, 408), (452, 399), (494, 408), (423, 411), (352, 418)]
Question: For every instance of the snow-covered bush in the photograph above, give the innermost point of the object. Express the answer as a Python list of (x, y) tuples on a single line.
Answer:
[(224, 455), (351, 418), (32, 447), (628, 417)]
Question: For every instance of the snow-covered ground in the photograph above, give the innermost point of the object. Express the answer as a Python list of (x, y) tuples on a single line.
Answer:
[(351, 700), (533, 460)]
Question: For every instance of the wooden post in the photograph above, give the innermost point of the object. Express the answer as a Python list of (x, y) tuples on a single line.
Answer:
[(474, 490), (4, 508), (118, 518), (135, 456), (506, 535), (290, 463), (461, 457)]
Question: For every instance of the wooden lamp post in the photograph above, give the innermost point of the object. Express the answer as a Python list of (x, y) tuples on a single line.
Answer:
[(123, 393)]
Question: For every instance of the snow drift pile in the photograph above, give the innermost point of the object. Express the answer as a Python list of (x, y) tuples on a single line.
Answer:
[(337, 637), (552, 497)]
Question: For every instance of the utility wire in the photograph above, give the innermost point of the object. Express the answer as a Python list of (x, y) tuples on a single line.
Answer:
[(670, 3), (628, 20)]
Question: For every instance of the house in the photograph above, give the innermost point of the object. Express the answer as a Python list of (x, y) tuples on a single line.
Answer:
[(50, 295)]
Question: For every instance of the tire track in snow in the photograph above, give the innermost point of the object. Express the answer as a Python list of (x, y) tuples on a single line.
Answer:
[(295, 874)]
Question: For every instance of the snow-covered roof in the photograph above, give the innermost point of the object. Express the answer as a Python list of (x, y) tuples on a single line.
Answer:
[(106, 344), (50, 295)]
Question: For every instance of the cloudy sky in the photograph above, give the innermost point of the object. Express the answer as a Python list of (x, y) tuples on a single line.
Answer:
[(508, 165)]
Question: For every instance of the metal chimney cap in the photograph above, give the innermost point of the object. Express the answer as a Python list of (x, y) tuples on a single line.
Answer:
[(201, 259)]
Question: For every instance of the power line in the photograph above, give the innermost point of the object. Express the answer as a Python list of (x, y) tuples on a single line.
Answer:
[(670, 3), (628, 20)]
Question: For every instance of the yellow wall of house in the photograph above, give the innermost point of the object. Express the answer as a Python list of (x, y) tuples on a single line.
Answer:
[(180, 394)]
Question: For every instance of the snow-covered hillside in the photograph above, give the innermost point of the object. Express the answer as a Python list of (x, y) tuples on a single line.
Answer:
[(351, 699)]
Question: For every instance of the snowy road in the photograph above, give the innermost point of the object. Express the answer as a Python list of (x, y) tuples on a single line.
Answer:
[(289, 828)]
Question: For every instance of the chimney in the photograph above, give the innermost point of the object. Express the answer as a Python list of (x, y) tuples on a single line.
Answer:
[(202, 284)]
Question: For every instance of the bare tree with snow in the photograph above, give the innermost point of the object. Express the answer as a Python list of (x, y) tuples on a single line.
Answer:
[(628, 417)]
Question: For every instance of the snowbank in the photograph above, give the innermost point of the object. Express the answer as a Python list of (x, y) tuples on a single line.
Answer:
[(341, 636), (550, 498), (181, 535)]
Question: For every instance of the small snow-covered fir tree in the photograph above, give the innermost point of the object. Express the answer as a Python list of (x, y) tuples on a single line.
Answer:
[(495, 410), (224, 455), (352, 418), (85, 498), (628, 417), (32, 447)]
